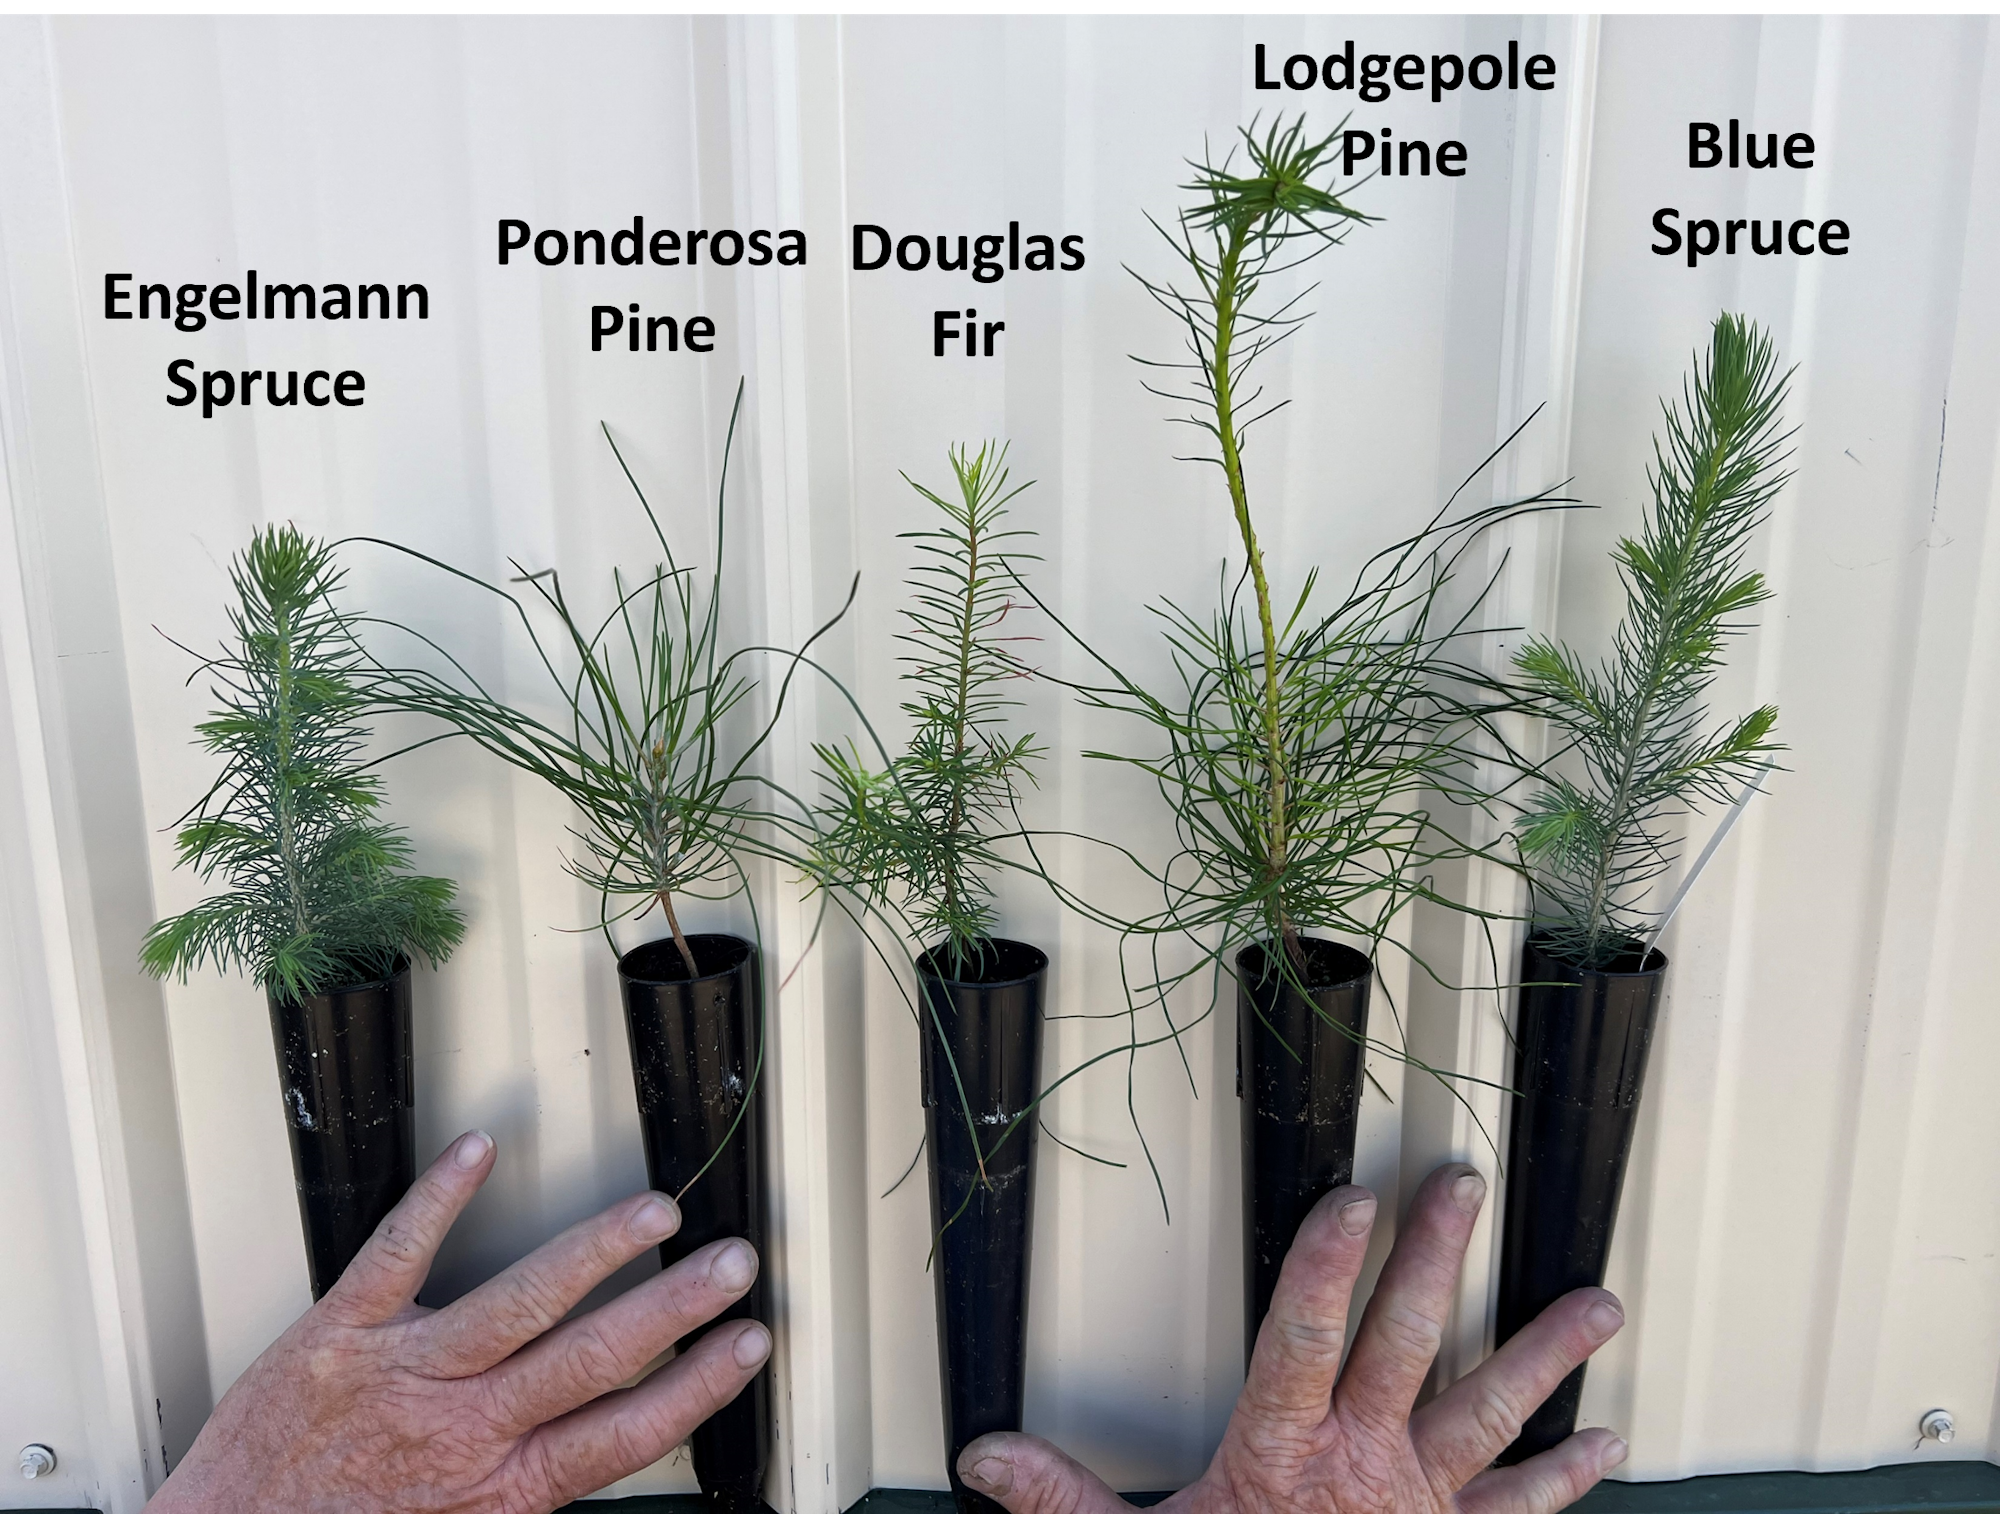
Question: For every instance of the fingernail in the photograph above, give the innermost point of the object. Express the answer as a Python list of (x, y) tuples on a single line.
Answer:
[(752, 1346), (733, 1267), (472, 1149), (654, 1220), (1603, 1320), (1357, 1215), (1612, 1455), (995, 1475), (1469, 1192)]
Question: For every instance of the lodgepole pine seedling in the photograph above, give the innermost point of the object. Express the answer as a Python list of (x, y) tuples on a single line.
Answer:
[(1242, 230), (1307, 741)]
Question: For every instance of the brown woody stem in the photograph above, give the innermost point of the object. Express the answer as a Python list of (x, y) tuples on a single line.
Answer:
[(674, 925)]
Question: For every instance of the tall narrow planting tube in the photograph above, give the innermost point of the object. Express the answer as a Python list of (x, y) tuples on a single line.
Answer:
[(1300, 1058), (346, 1073), (696, 1058), (1579, 1068), (982, 1052)]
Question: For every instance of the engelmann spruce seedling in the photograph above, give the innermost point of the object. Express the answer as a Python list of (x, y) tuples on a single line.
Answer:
[(319, 893)]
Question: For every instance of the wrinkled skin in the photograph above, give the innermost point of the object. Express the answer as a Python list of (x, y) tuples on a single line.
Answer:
[(371, 1403), (1313, 1437)]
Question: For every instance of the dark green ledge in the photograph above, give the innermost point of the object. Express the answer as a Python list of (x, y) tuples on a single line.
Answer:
[(916, 1501), (1934, 1487), (1938, 1487)]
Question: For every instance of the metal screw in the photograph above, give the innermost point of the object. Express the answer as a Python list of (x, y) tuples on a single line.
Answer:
[(37, 1461), (1937, 1426)]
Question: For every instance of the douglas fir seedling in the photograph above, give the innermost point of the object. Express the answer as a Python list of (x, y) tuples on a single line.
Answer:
[(916, 839), (915, 844)]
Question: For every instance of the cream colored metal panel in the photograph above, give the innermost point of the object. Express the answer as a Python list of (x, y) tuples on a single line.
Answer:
[(105, 1353), (1806, 1248), (1807, 1243), (51, 1392)]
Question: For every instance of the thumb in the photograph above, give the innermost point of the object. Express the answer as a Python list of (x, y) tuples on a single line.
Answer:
[(1029, 1476)]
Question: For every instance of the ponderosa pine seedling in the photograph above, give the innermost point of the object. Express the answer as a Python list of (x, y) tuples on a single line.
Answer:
[(319, 896), (668, 803), (1635, 726), (915, 839), (653, 743)]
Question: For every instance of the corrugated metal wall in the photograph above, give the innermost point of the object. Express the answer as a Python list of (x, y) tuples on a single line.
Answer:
[(1812, 1242), (1808, 1244)]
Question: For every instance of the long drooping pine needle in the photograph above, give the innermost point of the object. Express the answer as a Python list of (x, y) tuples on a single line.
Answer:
[(669, 800)]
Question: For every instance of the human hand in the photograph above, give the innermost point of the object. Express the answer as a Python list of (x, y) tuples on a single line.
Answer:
[(1311, 1435), (370, 1404)]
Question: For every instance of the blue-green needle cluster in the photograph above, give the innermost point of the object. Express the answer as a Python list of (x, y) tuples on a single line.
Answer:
[(1634, 727), (319, 893)]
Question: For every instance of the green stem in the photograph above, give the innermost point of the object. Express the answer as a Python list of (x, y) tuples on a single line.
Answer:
[(1239, 499), (282, 790), (956, 815), (1597, 927), (1600, 881), (658, 837)]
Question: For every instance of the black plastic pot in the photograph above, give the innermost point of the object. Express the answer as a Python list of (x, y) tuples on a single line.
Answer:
[(696, 1067), (344, 1067), (1298, 1076), (983, 1035), (1579, 1068)]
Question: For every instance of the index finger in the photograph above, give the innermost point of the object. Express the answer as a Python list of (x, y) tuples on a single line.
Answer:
[(537, 1293), (1299, 1344), (384, 1277)]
